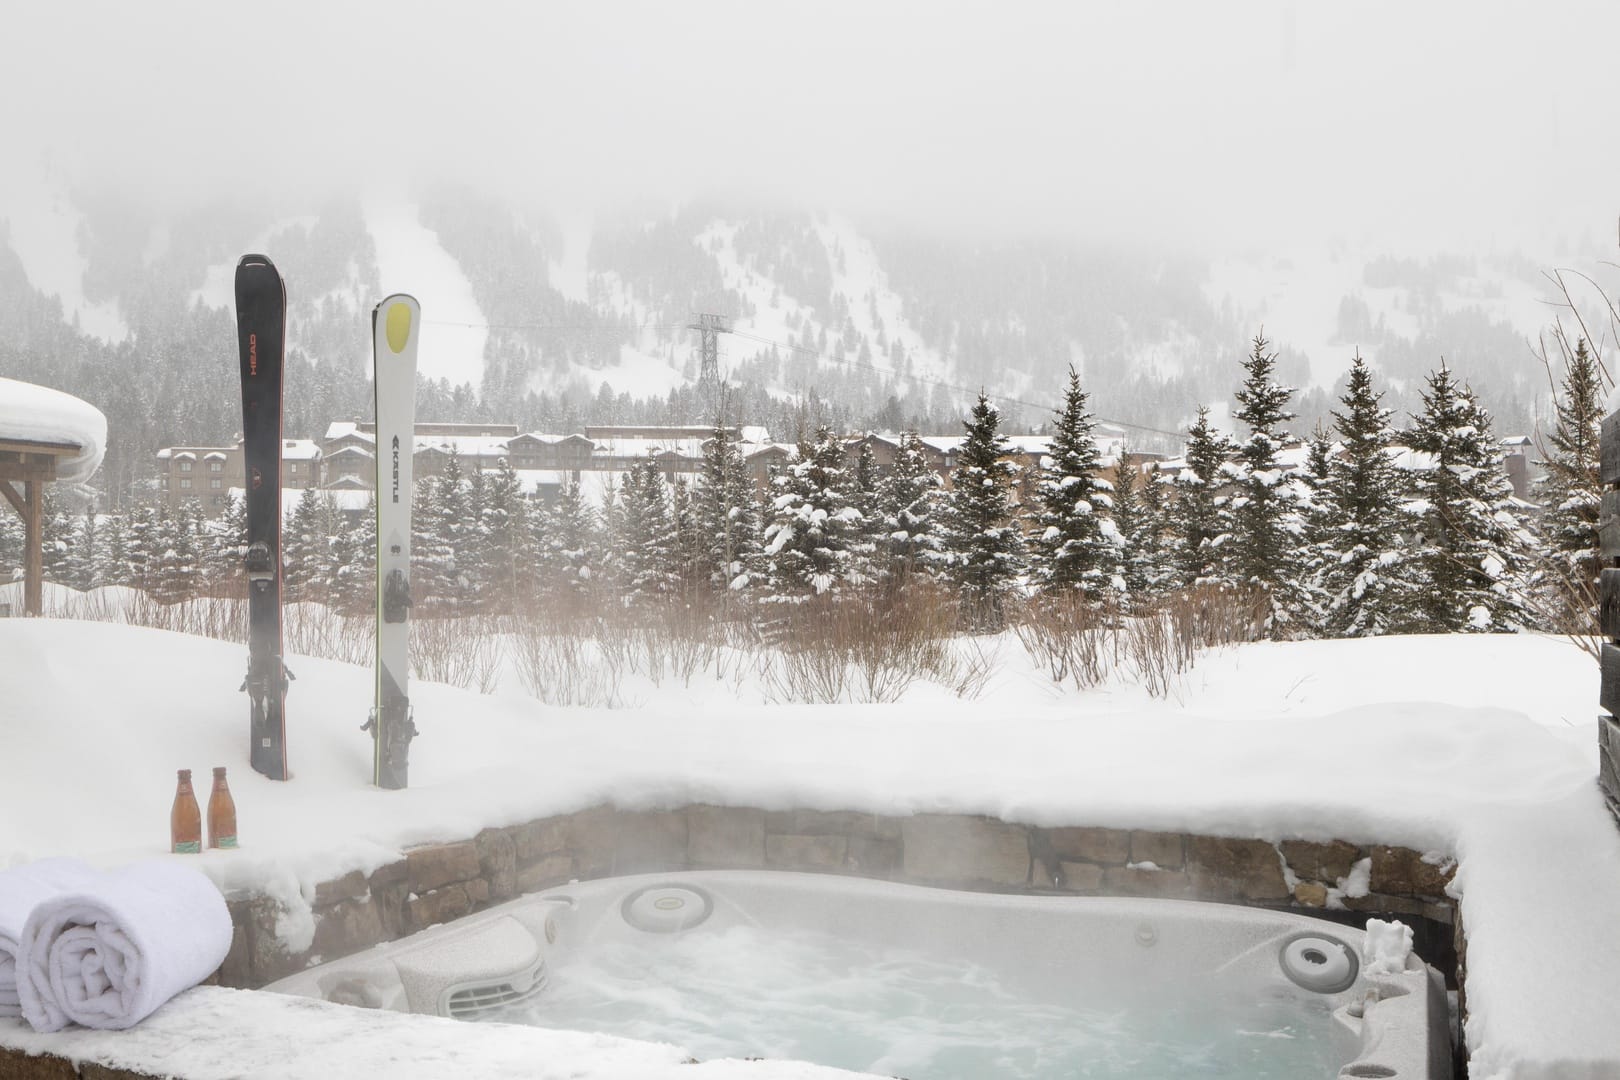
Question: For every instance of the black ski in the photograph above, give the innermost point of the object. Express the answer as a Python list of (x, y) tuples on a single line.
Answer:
[(261, 320)]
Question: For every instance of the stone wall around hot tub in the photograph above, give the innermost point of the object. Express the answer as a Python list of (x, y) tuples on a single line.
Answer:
[(441, 882)]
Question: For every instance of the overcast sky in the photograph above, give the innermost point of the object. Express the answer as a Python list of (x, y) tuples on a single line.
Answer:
[(1469, 125)]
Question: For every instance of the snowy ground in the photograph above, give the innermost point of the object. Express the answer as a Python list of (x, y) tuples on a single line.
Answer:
[(1480, 747)]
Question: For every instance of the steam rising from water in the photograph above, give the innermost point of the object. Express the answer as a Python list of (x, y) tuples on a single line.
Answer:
[(743, 992)]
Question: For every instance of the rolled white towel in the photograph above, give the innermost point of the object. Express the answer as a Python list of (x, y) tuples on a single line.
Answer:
[(108, 955), (21, 889)]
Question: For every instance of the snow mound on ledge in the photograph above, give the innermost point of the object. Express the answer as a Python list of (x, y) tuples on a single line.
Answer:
[(30, 413)]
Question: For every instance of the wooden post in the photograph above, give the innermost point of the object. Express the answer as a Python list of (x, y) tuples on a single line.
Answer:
[(1609, 615), (33, 465)]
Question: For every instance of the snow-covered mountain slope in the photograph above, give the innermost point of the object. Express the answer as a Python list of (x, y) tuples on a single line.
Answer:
[(42, 226), (411, 260)]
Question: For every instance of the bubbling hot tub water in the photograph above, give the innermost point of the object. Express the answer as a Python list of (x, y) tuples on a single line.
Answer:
[(922, 983)]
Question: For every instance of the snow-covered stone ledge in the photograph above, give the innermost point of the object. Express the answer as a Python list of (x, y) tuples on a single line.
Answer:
[(437, 883)]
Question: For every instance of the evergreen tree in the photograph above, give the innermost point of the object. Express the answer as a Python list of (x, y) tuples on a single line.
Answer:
[(303, 550), (113, 565), (175, 566), (1071, 551), (911, 505), (812, 542), (1136, 531), (725, 514), (1573, 494), (648, 564), (1195, 513), (1266, 512), (1364, 581), (352, 577), (85, 556), (987, 549), (508, 531), (568, 547), (1473, 549), (56, 538), (688, 542), (222, 559)]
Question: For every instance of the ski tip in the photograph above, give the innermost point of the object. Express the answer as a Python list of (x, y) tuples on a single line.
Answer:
[(248, 261)]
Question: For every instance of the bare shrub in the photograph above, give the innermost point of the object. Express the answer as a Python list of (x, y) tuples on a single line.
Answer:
[(557, 660), (1213, 616), (464, 652), (1156, 653), (845, 648), (1072, 637)]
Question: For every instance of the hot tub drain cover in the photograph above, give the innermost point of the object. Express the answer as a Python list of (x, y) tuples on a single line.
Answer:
[(665, 909), (1321, 964)]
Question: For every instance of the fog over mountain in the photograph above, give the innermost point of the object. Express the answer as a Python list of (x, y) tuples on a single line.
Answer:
[(897, 203)]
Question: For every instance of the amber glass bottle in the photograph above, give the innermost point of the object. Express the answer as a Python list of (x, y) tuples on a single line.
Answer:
[(221, 813), (185, 820)]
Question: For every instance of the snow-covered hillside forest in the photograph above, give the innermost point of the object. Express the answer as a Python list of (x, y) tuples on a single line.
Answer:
[(853, 325)]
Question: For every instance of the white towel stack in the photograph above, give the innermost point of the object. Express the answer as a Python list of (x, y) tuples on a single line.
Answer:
[(107, 954), (22, 888)]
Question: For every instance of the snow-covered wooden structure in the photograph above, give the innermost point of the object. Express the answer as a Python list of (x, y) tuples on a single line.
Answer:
[(45, 436)]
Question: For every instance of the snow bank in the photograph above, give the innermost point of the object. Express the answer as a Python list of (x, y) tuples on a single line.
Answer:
[(1481, 747)]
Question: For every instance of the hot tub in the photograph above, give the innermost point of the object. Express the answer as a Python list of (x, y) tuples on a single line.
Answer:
[(923, 983)]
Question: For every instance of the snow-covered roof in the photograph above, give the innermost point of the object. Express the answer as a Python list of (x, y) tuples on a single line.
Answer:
[(342, 429), (299, 450), (351, 451), (465, 446), (215, 455), (38, 414), (184, 455)]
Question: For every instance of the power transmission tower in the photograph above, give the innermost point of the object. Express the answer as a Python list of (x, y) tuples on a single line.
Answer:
[(710, 327)]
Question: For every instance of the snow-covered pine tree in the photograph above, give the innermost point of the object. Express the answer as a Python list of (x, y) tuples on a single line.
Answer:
[(510, 540), (648, 562), (1366, 586), (1473, 547), (1137, 524), (141, 551), (113, 562), (1266, 513), (911, 505), (812, 540), (723, 506), (303, 550), (1070, 551), (84, 557), (687, 540), (222, 557), (981, 531), (569, 565), (1573, 496), (726, 517), (56, 539), (352, 571), (1195, 511), (176, 571)]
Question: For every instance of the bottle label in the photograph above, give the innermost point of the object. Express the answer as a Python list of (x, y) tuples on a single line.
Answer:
[(225, 841), (188, 847)]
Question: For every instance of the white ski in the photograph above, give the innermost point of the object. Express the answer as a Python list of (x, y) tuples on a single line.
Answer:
[(395, 329)]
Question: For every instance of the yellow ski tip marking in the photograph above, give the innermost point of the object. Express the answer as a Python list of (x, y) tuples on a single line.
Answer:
[(398, 326)]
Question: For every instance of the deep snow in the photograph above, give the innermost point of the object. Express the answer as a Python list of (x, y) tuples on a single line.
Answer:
[(1478, 747)]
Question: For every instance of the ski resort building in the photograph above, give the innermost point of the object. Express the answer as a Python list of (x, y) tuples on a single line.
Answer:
[(344, 461), (209, 473)]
